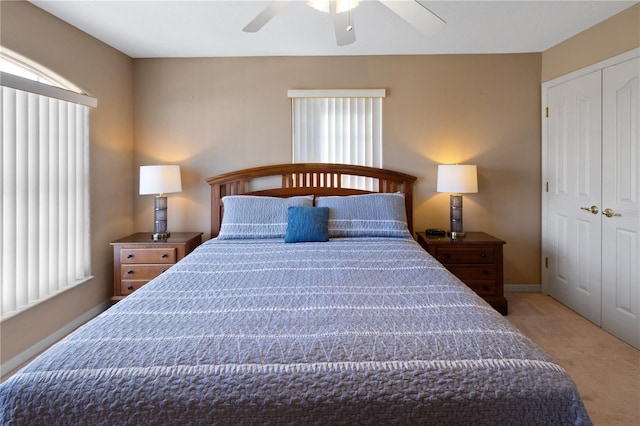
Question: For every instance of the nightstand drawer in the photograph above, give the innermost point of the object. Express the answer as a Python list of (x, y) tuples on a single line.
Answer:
[(129, 286), (137, 259), (467, 254), (473, 272), (142, 272), (148, 255), (482, 288)]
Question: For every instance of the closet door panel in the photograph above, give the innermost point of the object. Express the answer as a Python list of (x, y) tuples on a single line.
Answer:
[(621, 201), (573, 163)]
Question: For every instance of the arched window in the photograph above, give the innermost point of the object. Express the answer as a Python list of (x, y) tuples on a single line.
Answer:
[(44, 207), (16, 64)]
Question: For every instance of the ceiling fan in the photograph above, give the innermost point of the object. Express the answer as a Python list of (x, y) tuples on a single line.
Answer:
[(340, 10)]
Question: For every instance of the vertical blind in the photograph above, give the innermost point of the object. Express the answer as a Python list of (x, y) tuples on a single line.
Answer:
[(44, 210), (336, 126)]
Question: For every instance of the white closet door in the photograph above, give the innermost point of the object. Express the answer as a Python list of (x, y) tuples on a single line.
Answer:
[(573, 164), (621, 194)]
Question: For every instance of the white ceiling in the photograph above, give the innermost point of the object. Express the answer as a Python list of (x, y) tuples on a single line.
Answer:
[(146, 29)]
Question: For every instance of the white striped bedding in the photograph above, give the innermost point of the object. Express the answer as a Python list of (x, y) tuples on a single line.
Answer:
[(354, 330)]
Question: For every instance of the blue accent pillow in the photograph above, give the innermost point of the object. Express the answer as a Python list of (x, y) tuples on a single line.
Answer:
[(369, 215), (307, 224)]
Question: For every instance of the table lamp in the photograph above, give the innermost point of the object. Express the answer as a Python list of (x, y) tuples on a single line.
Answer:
[(457, 180), (160, 180)]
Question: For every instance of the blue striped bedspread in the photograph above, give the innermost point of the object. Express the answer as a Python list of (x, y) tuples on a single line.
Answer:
[(354, 330)]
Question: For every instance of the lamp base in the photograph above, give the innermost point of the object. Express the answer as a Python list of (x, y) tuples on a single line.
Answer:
[(456, 235), (455, 217), (160, 236), (160, 232)]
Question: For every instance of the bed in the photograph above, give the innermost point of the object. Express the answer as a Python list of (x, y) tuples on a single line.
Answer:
[(312, 305)]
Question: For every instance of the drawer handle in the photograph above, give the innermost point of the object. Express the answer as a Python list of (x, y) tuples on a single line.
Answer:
[(485, 287), (163, 270), (130, 287), (483, 255), (164, 255), (485, 272), (129, 256), (129, 272)]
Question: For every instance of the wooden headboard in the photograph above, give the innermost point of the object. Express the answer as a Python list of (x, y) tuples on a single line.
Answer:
[(317, 179)]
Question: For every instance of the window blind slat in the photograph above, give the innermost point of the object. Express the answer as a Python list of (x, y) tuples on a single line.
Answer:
[(78, 247), (33, 188), (44, 205), (63, 192), (71, 191), (2, 195), (8, 198), (54, 200), (22, 196)]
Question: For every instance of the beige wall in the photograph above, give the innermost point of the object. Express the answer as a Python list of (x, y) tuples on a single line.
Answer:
[(219, 114), (612, 37), (107, 75)]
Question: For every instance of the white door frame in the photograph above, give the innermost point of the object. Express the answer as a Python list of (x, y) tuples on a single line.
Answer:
[(631, 54)]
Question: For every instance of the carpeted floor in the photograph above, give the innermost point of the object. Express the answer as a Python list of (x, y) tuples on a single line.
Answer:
[(605, 369)]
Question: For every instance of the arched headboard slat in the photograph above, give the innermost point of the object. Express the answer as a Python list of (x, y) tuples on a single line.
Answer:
[(318, 179)]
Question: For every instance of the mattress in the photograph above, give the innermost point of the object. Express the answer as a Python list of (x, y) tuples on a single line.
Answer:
[(354, 330)]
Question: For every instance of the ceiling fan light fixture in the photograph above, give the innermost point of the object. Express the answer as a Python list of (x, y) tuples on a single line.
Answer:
[(341, 5)]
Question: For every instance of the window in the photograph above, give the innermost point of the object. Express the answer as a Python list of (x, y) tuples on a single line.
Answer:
[(16, 64), (338, 126), (44, 208)]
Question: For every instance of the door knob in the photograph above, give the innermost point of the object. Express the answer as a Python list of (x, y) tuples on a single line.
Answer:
[(592, 209), (610, 213)]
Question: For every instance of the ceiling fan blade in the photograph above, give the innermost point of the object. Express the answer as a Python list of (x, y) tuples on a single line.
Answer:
[(265, 16), (417, 15), (345, 33)]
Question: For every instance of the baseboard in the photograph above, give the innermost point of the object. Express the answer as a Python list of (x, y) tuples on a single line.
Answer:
[(26, 355), (523, 288)]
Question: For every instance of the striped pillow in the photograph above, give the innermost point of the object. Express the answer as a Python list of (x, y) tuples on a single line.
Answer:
[(249, 216), (370, 215)]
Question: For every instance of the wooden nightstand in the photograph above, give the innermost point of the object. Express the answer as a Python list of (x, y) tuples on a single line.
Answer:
[(476, 260), (137, 259)]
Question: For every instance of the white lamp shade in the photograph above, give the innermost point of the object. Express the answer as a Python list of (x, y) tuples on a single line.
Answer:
[(457, 179), (160, 179)]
